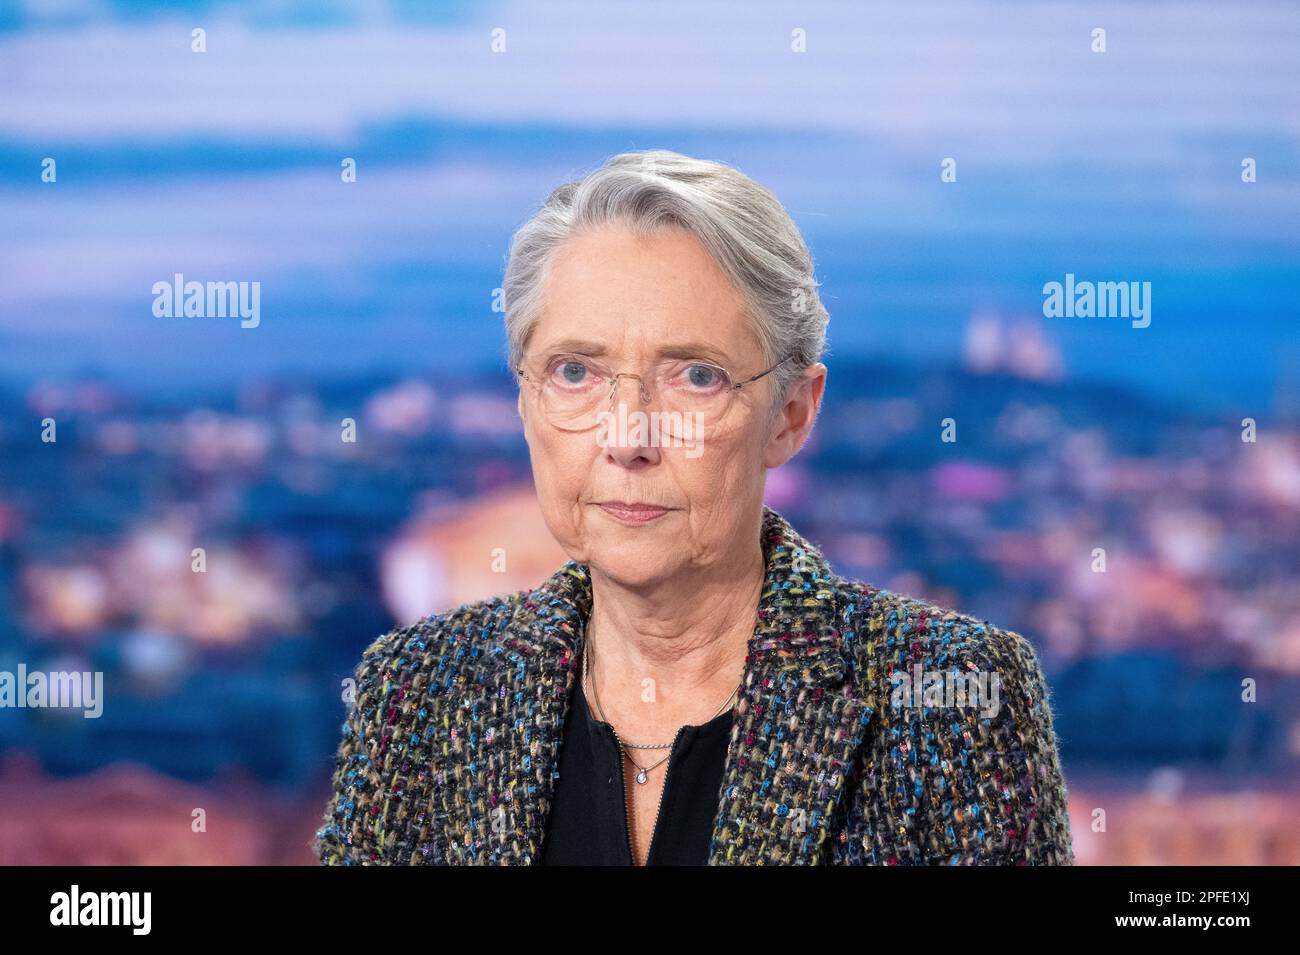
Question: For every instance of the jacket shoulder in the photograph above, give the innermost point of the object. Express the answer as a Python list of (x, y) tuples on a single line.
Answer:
[(466, 628), (896, 627), (966, 717), (896, 632), (398, 675)]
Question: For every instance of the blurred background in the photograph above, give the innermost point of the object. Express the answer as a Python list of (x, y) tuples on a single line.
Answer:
[(231, 163)]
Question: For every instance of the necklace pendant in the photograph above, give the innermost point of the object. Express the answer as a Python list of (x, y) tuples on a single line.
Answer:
[(641, 776)]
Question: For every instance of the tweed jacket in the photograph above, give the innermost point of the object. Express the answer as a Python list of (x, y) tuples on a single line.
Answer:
[(449, 753)]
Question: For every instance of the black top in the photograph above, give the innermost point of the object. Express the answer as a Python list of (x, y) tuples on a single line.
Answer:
[(587, 824)]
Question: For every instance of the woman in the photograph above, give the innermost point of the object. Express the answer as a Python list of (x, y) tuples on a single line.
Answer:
[(696, 685)]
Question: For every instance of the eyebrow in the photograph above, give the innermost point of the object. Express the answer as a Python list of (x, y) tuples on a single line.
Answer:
[(686, 350)]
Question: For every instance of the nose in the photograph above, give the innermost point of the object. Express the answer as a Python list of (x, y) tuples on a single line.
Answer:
[(630, 440)]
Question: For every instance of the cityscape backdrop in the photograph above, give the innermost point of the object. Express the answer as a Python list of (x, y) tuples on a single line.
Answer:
[(127, 157)]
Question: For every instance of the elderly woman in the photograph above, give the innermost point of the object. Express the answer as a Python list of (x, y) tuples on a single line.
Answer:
[(696, 685)]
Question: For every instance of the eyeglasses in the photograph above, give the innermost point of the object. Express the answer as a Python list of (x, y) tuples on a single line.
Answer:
[(575, 391)]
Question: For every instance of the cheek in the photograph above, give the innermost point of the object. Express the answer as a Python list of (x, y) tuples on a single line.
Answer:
[(738, 465), (561, 465), (562, 470), (726, 473)]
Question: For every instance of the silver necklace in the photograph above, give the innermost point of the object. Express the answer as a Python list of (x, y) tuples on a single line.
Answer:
[(642, 771)]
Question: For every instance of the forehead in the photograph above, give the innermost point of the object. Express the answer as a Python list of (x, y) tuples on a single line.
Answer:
[(635, 295)]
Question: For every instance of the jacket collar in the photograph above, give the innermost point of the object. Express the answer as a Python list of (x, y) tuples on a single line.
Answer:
[(796, 727)]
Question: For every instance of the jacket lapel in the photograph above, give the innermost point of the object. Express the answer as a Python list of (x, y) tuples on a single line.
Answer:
[(798, 723), (796, 728)]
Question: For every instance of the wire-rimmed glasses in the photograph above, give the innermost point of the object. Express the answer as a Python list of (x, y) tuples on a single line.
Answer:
[(576, 392)]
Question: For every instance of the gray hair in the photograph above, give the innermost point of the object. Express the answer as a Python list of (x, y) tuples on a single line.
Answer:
[(740, 223)]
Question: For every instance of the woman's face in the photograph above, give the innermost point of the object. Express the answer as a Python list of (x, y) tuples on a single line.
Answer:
[(632, 302)]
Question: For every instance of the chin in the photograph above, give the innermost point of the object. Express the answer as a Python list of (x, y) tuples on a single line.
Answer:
[(631, 566)]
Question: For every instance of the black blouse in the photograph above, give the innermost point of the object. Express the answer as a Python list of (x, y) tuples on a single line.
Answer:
[(587, 824)]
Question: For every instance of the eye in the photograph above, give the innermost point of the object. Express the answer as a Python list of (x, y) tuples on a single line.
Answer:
[(698, 376), (572, 373)]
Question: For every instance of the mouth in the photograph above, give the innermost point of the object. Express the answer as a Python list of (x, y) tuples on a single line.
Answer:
[(626, 512)]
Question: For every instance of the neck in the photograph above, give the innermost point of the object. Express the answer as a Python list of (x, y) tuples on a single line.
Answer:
[(672, 654)]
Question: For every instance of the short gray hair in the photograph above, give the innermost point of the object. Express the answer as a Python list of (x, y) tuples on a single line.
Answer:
[(740, 223)]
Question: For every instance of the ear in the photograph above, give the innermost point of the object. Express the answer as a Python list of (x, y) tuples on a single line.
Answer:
[(794, 421)]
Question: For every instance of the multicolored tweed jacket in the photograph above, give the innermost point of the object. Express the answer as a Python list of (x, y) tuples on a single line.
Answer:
[(449, 754)]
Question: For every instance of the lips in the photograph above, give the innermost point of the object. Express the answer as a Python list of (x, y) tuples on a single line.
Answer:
[(628, 512)]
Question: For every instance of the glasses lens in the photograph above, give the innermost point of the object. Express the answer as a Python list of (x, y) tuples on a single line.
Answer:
[(694, 386), (572, 388), (687, 398)]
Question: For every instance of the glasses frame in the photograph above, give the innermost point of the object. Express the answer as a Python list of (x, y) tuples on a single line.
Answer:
[(645, 398)]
